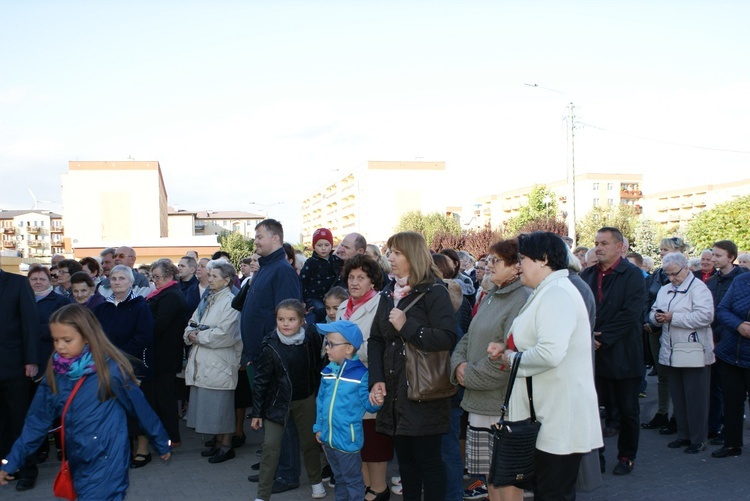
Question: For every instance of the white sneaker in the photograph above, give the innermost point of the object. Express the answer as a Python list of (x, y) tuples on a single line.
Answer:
[(396, 480), (397, 489), (318, 491)]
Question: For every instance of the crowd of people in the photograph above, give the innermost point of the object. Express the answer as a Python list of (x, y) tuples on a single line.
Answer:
[(313, 352)]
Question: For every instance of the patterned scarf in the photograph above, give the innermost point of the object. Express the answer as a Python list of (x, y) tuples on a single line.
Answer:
[(401, 289), (204, 303), (74, 368)]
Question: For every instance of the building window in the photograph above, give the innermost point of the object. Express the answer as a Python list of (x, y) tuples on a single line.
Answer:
[(596, 202), (596, 186), (610, 202), (610, 186)]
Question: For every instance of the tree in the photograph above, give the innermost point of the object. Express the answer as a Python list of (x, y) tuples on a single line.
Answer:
[(237, 245), (646, 237), (727, 221), (428, 224), (540, 206), (622, 217), (557, 226)]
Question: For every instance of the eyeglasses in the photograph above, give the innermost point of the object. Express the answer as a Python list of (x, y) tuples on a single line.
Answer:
[(123, 256), (493, 259), (674, 274), (62, 272), (329, 344), (54, 275), (156, 277)]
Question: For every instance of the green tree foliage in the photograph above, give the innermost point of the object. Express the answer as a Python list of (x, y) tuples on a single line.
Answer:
[(540, 206), (727, 221), (237, 245), (428, 224), (622, 217), (646, 237)]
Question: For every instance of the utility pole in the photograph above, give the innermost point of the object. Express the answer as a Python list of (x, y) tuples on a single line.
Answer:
[(572, 173)]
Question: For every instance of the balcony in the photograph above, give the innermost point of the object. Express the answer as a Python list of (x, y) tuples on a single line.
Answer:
[(9, 244), (56, 229), (9, 230), (631, 194), (34, 230), (36, 243)]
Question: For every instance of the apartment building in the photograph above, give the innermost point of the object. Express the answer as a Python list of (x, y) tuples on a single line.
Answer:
[(371, 198), (31, 233)]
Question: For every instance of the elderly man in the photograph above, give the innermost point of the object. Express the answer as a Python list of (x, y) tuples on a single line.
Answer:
[(707, 266), (126, 256), (620, 292), (19, 338), (351, 245)]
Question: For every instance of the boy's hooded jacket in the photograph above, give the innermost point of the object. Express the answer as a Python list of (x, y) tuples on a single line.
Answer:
[(343, 398)]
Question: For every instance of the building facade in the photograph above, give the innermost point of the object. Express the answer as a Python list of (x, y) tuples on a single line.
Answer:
[(371, 199), (31, 233)]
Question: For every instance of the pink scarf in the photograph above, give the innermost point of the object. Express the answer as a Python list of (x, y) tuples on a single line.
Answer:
[(353, 305), (157, 291), (401, 288)]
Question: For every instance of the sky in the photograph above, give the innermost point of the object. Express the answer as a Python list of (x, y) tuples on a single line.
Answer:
[(251, 105)]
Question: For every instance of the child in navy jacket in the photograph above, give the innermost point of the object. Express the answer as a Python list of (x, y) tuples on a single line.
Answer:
[(342, 400), (319, 274)]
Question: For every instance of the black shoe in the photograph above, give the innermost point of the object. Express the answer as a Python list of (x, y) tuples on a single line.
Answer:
[(238, 441), (255, 467), (253, 478), (279, 487), (222, 456), (379, 496), (680, 442), (653, 372), (210, 451), (140, 460), (670, 429), (623, 467), (24, 484), (658, 421), (726, 452), (695, 448), (210, 442)]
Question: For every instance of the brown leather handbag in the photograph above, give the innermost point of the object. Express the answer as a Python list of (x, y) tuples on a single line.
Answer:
[(427, 372)]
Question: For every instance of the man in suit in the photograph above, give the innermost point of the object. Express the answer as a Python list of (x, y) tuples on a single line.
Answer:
[(19, 346)]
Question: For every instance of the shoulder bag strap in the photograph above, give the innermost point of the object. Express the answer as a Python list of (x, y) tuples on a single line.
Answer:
[(413, 302), (511, 381), (65, 409)]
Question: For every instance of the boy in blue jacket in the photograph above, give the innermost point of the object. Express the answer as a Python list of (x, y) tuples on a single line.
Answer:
[(343, 398)]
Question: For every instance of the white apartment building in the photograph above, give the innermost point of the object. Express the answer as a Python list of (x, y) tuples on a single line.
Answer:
[(31, 233)]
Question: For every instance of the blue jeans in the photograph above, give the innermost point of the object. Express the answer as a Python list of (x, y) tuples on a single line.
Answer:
[(451, 453), (347, 469)]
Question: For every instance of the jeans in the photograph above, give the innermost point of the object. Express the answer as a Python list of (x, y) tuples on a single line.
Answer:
[(347, 469), (451, 452)]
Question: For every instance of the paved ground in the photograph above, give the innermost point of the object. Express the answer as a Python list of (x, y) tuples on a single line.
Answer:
[(660, 474)]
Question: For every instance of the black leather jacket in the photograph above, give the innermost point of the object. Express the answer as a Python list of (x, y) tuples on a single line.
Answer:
[(272, 392)]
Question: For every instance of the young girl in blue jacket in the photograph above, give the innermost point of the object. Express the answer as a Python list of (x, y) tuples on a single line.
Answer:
[(96, 432)]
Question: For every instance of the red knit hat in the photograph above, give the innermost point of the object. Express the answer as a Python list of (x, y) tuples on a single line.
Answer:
[(322, 234)]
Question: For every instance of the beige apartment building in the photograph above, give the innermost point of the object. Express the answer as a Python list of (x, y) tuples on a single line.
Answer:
[(107, 201), (371, 198), (675, 208), (31, 233), (591, 190)]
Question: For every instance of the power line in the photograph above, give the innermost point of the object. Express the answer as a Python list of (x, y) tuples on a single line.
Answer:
[(662, 141)]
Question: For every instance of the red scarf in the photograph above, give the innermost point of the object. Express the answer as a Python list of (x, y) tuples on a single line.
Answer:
[(353, 305), (158, 291)]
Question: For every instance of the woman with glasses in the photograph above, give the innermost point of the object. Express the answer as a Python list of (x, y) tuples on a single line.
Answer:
[(684, 309), (483, 379), (654, 283)]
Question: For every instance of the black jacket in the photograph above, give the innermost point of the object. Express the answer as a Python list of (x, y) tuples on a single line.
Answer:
[(431, 326), (168, 308), (619, 318), (46, 307), (318, 275), (19, 326), (272, 392), (719, 284)]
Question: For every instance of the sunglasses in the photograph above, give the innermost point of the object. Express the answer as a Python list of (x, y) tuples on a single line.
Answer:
[(122, 256)]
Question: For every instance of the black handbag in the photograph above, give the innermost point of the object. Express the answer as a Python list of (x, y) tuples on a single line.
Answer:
[(514, 442)]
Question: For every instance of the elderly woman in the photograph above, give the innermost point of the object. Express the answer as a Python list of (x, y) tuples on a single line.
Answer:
[(554, 333), (467, 286), (733, 354), (482, 378), (167, 304), (684, 309), (92, 267), (654, 283), (744, 260), (429, 324), (213, 364), (364, 279), (127, 321), (83, 290)]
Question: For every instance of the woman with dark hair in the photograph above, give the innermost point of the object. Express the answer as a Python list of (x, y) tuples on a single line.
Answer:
[(167, 304), (83, 290), (92, 267), (467, 286), (430, 325), (364, 279), (483, 379), (553, 332), (463, 311)]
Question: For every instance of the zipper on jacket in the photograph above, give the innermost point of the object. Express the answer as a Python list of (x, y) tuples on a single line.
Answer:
[(330, 407), (351, 430)]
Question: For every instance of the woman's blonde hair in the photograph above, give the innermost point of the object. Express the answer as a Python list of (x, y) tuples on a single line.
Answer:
[(414, 248), (85, 323), (675, 244)]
